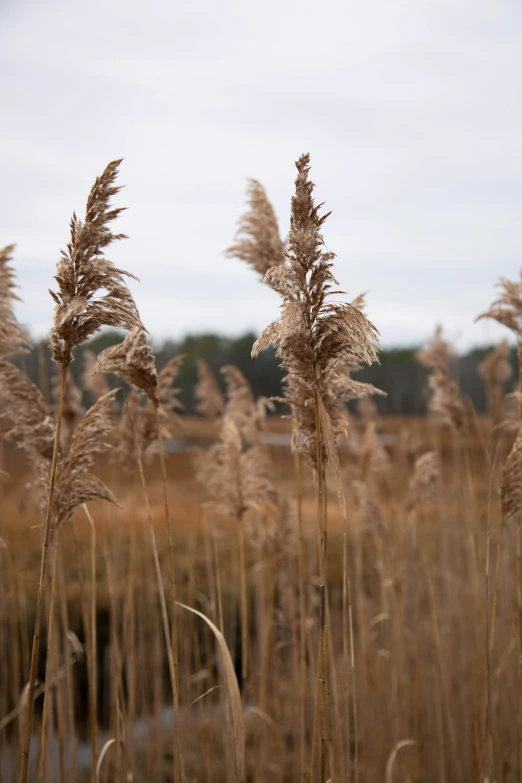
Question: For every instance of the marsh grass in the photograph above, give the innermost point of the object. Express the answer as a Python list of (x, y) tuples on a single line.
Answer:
[(348, 610)]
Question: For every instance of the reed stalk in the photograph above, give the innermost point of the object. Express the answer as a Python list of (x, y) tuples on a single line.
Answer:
[(41, 587), (172, 573), (243, 599), (48, 667), (93, 640)]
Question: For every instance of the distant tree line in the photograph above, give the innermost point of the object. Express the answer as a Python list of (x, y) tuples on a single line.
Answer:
[(398, 374)]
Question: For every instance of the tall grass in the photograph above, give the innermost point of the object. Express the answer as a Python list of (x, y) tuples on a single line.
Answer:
[(346, 608)]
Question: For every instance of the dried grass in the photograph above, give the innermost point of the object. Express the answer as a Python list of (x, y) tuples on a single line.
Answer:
[(257, 240), (394, 635)]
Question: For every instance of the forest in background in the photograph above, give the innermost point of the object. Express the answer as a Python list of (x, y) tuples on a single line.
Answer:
[(399, 373)]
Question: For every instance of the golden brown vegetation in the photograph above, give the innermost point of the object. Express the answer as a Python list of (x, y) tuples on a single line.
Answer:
[(345, 605)]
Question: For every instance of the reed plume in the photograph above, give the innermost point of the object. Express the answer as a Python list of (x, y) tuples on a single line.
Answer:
[(317, 340), (314, 337), (12, 337), (84, 274), (496, 369), (241, 406), (236, 471), (75, 484), (133, 361), (425, 483), (507, 310), (210, 399), (511, 483), (237, 476), (258, 242), (30, 424), (445, 403)]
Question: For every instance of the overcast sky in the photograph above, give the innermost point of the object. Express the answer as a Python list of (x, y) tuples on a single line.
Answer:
[(411, 110)]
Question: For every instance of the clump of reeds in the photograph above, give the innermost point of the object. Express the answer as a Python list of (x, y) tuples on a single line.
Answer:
[(318, 340), (133, 361), (91, 294), (237, 474)]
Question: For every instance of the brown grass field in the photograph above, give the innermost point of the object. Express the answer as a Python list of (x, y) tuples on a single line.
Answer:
[(415, 701), (229, 597)]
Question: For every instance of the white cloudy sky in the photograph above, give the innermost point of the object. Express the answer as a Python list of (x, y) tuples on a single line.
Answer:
[(411, 110)]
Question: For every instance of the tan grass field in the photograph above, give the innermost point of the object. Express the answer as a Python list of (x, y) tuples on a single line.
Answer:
[(232, 597)]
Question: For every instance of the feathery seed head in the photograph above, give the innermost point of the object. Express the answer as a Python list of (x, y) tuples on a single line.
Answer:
[(30, 423), (445, 402), (495, 366), (74, 483), (369, 510), (12, 337), (507, 309), (257, 240), (316, 338), (511, 483), (210, 400), (133, 361), (424, 486), (83, 274)]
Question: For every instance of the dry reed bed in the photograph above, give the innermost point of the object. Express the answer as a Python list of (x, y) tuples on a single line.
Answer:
[(350, 610)]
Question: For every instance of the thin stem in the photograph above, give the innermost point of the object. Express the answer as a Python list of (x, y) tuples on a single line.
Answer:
[(302, 611), (243, 600), (64, 616), (354, 694), (488, 745), (93, 691), (89, 650), (172, 573), (218, 577), (41, 588), (321, 707), (48, 667)]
